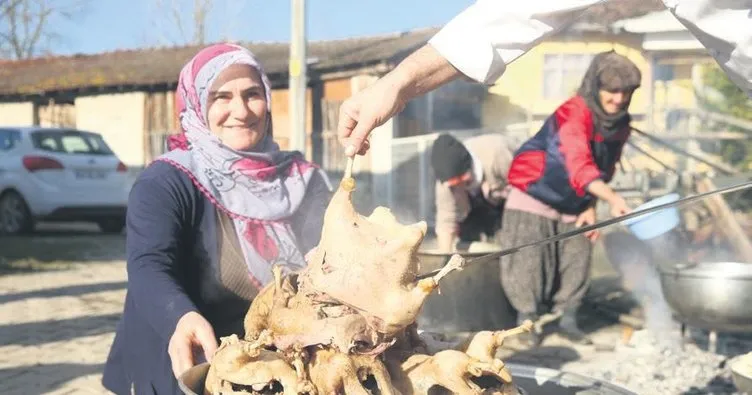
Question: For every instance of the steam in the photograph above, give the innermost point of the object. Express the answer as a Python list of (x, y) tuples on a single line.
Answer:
[(638, 266), (658, 318), (405, 215)]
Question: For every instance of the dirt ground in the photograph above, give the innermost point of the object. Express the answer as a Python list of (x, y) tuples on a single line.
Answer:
[(61, 295)]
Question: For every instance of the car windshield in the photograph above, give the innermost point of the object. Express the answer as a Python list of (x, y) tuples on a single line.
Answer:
[(70, 142)]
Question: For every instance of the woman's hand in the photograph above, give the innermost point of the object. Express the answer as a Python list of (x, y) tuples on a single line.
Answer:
[(193, 334), (585, 218), (618, 206), (615, 201)]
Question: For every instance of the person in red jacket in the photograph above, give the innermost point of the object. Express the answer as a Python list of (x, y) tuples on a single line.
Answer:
[(556, 177)]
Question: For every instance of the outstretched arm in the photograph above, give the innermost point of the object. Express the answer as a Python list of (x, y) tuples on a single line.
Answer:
[(154, 224), (477, 43)]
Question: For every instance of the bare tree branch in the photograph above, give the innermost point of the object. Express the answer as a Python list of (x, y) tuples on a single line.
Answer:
[(200, 12), (231, 11), (26, 25), (6, 5), (176, 17)]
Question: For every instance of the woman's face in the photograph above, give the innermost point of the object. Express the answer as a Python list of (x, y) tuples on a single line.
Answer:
[(613, 101), (237, 107)]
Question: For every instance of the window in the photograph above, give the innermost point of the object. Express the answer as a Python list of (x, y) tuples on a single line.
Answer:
[(454, 106), (664, 72), (562, 74), (457, 106), (70, 142), (9, 138)]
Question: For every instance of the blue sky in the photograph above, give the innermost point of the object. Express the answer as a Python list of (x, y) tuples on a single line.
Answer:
[(108, 25)]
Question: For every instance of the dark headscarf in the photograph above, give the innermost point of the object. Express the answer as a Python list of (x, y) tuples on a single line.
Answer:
[(611, 72)]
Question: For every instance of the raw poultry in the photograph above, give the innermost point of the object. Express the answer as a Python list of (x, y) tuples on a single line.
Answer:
[(346, 324)]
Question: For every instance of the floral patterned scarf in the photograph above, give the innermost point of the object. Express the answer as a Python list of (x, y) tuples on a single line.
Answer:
[(259, 190)]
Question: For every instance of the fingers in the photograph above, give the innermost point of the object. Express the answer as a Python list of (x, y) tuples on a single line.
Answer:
[(192, 330), (584, 219), (353, 128), (364, 147), (593, 235), (358, 143), (181, 354), (206, 339), (348, 120)]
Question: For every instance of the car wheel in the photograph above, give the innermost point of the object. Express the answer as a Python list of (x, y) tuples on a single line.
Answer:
[(15, 217), (111, 225)]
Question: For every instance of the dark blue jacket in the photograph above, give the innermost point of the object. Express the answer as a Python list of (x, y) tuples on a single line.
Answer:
[(557, 164), (172, 252)]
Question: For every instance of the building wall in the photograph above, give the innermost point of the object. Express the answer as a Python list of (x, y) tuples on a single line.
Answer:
[(160, 121), (674, 87), (120, 119), (331, 91), (337, 90), (281, 117), (53, 114), (17, 114)]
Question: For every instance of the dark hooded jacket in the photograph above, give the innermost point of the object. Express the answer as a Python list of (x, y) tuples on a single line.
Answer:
[(579, 143)]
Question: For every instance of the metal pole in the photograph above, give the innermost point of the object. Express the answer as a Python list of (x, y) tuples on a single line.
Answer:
[(298, 77), (723, 168)]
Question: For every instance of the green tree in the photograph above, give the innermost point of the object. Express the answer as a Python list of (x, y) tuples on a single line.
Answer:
[(722, 96)]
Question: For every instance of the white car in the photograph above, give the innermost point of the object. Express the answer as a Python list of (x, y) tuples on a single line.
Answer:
[(59, 174)]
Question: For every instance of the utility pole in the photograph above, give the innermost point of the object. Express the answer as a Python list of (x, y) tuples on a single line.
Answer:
[(298, 77)]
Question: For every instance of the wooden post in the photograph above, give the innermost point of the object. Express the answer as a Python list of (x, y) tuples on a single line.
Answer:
[(730, 227)]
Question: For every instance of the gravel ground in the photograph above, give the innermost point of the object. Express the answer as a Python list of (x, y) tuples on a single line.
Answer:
[(648, 365)]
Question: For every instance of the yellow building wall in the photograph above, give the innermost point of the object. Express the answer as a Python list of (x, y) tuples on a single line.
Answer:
[(119, 118), (17, 114), (679, 91)]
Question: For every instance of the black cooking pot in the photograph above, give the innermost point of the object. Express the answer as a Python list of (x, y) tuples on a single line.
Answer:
[(469, 300)]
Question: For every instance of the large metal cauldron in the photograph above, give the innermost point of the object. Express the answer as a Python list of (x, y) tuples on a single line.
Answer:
[(469, 300), (713, 296), (531, 380)]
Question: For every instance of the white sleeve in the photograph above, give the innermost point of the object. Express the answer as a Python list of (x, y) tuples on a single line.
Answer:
[(489, 34), (725, 29)]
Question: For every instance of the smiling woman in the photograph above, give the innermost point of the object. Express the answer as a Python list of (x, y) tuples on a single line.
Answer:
[(238, 108), (206, 222)]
